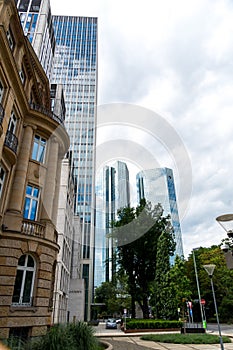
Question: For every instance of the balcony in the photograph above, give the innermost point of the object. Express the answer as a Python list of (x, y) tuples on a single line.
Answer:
[(11, 141), (50, 114), (33, 228)]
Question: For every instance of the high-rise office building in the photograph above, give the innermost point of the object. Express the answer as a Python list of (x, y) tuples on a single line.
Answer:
[(158, 186), (112, 193), (36, 20), (75, 67)]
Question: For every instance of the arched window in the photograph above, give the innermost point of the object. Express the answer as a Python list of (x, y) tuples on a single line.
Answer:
[(24, 282)]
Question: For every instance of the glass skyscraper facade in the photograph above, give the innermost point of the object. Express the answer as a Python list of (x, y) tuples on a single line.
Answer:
[(75, 67), (158, 186), (112, 193)]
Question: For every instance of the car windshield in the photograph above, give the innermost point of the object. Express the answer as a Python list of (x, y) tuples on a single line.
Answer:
[(111, 320)]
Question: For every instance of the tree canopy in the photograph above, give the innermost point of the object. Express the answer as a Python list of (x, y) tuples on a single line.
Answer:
[(138, 233)]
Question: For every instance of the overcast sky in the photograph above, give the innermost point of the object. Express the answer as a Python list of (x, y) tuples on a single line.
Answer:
[(175, 59)]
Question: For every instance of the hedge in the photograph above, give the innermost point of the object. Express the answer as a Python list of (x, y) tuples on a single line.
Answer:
[(152, 324)]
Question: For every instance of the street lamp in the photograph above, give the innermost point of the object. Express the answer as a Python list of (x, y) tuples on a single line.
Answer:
[(210, 270), (226, 221), (198, 290)]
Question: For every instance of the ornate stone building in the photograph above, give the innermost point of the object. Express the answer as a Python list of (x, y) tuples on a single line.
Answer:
[(33, 142)]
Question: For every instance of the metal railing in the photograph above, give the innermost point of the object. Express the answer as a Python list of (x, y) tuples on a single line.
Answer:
[(33, 228), (50, 114), (11, 141)]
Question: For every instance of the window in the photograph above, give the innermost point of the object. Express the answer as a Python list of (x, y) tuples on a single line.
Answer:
[(2, 178), (1, 91), (39, 147), (10, 39), (35, 6), (23, 5), (22, 75), (31, 203), (12, 123), (24, 281)]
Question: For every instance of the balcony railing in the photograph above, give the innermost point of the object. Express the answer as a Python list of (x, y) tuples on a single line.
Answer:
[(11, 141), (33, 228), (50, 114), (2, 113)]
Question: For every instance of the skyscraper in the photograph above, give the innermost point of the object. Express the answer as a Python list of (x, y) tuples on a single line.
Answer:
[(158, 186), (112, 193), (75, 67), (36, 20)]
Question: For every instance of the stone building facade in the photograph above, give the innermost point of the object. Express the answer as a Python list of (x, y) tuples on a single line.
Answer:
[(33, 142)]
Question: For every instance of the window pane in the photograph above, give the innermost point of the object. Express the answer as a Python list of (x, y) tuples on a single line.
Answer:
[(41, 154), (26, 208), (29, 190), (27, 287), (35, 192), (18, 285), (33, 210), (35, 150), (1, 91), (30, 261), (22, 260)]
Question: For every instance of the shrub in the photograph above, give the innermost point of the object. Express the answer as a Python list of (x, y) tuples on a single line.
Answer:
[(72, 336), (57, 338), (152, 324), (83, 336)]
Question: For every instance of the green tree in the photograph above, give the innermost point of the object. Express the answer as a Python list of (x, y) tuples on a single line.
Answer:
[(170, 289), (137, 234), (114, 296), (222, 279)]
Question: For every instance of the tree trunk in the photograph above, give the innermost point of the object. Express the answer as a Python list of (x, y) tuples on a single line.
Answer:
[(145, 307), (133, 310)]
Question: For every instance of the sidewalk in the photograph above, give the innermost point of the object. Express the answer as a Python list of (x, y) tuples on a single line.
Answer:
[(127, 341)]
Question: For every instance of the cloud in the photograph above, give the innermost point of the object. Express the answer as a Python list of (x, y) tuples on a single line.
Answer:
[(175, 58)]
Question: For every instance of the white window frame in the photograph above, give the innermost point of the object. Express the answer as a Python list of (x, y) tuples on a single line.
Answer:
[(25, 269), (33, 200), (12, 123), (39, 148)]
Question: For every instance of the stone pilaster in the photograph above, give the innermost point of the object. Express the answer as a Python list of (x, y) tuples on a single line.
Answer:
[(50, 184)]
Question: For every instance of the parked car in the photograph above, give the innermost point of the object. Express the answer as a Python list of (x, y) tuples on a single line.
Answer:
[(111, 323)]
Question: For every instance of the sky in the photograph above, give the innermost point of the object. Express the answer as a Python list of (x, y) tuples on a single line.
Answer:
[(166, 98)]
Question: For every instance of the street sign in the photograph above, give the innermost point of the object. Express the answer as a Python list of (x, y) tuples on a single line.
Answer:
[(202, 301)]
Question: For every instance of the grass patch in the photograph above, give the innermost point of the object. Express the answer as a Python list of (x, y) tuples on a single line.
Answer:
[(186, 338)]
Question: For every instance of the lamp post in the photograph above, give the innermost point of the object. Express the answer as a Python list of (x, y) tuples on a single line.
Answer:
[(210, 270), (226, 221), (198, 290)]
